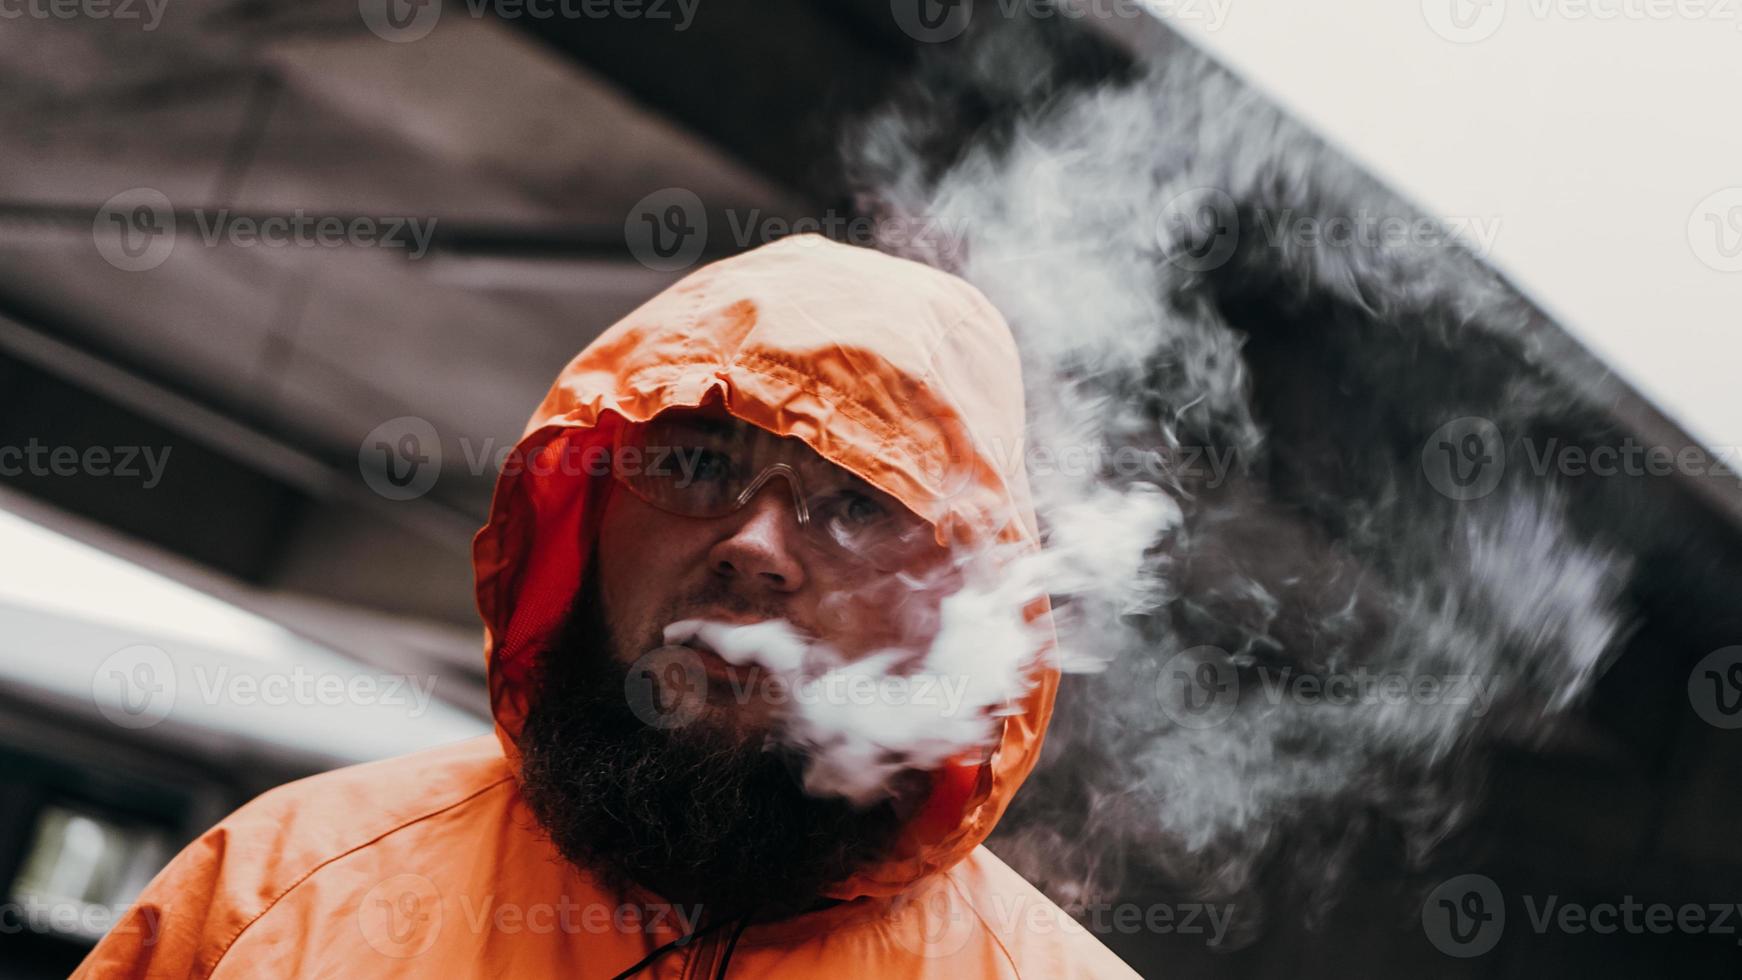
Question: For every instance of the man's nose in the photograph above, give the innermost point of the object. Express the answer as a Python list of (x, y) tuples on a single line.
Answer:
[(761, 552)]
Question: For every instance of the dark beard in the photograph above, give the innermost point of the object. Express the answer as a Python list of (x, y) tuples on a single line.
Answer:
[(693, 814)]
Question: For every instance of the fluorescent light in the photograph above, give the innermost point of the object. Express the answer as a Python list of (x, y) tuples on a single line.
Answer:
[(49, 571)]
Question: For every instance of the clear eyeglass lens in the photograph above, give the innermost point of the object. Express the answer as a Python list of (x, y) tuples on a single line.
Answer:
[(700, 467)]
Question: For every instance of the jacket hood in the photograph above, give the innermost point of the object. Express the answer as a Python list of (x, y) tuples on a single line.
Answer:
[(893, 370)]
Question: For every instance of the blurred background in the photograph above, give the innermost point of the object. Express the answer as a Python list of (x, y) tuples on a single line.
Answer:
[(219, 573)]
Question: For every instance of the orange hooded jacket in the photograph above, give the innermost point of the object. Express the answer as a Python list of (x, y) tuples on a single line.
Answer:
[(431, 865)]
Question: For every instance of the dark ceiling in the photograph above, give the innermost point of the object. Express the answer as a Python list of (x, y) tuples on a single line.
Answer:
[(524, 145)]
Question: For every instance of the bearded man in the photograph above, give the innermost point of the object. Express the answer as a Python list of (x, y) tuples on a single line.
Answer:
[(784, 437)]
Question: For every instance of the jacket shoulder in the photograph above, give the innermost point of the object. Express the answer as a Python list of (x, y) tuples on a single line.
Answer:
[(236, 872), (315, 819), (1040, 939)]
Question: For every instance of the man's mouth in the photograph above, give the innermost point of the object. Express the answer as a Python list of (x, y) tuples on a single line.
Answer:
[(741, 650), (723, 674), (720, 671)]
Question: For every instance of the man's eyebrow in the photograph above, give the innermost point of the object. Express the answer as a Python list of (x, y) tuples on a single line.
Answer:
[(705, 424), (846, 479)]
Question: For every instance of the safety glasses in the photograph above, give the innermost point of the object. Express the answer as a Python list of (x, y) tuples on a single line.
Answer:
[(698, 465)]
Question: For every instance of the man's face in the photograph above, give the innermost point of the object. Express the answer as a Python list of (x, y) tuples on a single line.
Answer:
[(714, 811), (756, 563)]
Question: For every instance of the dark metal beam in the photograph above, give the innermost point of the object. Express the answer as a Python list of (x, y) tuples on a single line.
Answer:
[(227, 495), (766, 80)]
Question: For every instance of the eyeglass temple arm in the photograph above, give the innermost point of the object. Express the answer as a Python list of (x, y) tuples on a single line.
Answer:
[(792, 480)]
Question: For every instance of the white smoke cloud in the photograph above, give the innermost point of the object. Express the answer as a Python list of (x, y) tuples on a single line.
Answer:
[(918, 710), (1276, 658), (1106, 223)]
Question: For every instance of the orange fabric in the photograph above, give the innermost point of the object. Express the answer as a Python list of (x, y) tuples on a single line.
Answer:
[(431, 865)]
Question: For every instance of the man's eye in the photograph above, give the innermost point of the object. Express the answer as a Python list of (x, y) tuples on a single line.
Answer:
[(856, 510), (712, 466)]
